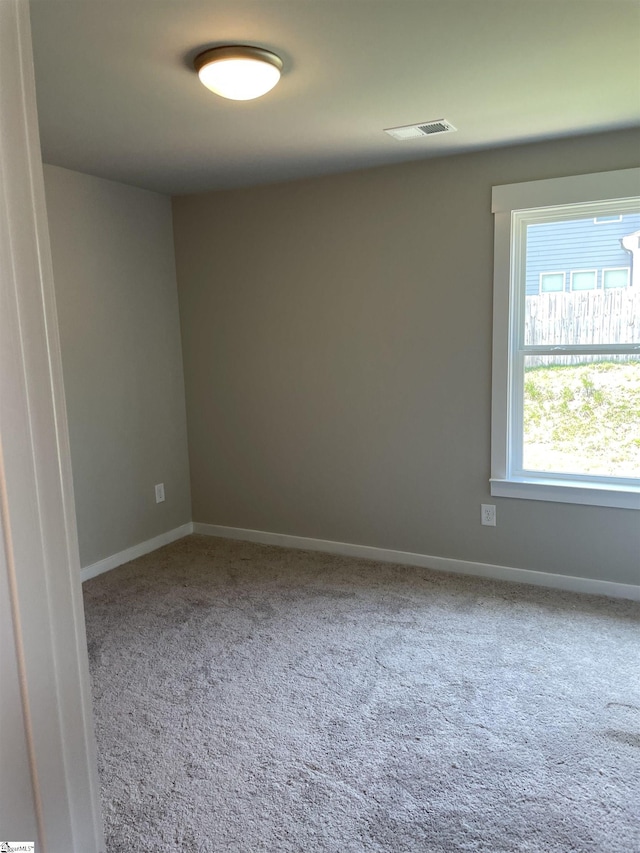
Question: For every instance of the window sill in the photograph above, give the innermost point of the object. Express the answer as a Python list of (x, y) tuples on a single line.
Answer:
[(562, 491)]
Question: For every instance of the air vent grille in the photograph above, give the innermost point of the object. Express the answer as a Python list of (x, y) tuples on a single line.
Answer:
[(425, 128)]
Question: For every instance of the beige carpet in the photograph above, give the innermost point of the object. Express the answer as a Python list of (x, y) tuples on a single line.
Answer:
[(252, 698)]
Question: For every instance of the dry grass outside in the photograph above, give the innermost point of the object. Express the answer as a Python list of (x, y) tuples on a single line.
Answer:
[(583, 419)]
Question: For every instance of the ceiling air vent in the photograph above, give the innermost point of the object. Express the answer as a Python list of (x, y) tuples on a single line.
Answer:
[(425, 128)]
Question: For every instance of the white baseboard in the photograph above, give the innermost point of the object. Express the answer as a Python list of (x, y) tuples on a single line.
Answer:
[(368, 552), (442, 564), (138, 550)]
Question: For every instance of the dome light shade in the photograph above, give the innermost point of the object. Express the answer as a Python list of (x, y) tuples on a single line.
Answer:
[(238, 72)]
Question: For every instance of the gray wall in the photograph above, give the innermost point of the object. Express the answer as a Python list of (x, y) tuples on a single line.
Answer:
[(337, 348), (114, 271)]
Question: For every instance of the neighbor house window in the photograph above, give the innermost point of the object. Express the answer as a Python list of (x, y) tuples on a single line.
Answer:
[(615, 278), (603, 220), (583, 280), (566, 372), (551, 282)]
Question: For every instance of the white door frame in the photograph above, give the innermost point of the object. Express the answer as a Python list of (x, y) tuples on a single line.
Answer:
[(39, 563)]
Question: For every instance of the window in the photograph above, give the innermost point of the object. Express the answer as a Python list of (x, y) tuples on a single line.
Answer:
[(615, 278), (583, 279), (603, 220), (551, 282), (566, 372)]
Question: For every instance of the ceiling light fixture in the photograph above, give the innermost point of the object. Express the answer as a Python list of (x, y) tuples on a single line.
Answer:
[(239, 72)]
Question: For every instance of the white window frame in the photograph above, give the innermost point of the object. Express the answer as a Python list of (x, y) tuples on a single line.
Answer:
[(584, 289), (616, 269), (553, 272), (511, 204)]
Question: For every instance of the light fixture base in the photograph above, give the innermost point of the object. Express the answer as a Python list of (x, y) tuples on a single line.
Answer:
[(236, 51)]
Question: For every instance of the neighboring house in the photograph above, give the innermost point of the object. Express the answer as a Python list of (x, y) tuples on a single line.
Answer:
[(582, 254)]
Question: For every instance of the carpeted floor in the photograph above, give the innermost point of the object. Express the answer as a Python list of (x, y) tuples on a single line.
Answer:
[(252, 698)]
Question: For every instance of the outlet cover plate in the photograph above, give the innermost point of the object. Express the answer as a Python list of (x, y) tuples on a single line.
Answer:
[(488, 514)]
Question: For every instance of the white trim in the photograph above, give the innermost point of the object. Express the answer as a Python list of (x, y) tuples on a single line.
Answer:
[(568, 491), (623, 183), (135, 551), (502, 332), (38, 530), (439, 564)]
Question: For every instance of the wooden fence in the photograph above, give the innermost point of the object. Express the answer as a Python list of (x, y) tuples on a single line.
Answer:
[(587, 317)]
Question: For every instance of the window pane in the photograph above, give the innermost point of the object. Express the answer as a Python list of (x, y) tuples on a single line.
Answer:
[(582, 417), (583, 280), (572, 254), (568, 245), (615, 278), (551, 282)]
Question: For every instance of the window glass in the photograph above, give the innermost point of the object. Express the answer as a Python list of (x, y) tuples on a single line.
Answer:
[(577, 413), (615, 278), (585, 316), (583, 280), (551, 282), (582, 415)]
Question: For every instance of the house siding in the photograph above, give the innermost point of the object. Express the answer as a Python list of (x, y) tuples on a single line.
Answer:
[(575, 245)]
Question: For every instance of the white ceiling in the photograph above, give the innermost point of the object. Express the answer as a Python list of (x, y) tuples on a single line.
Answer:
[(118, 98)]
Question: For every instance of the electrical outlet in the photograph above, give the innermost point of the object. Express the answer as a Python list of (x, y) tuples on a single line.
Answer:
[(160, 493), (488, 514)]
